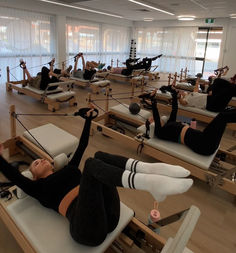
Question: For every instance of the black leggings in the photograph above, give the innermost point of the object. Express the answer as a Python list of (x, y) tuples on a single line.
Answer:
[(146, 64), (96, 210), (207, 141), (202, 142), (222, 93)]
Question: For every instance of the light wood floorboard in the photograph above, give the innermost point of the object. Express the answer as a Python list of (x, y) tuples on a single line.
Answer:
[(216, 229)]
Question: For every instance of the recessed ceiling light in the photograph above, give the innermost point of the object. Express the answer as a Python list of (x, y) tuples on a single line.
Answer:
[(151, 7), (80, 8), (186, 18), (148, 19), (232, 15)]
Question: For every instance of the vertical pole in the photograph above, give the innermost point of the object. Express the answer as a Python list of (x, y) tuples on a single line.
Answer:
[(175, 77), (169, 77), (181, 75), (185, 73), (8, 74), (12, 121)]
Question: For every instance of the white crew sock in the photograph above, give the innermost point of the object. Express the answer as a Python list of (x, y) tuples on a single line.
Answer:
[(159, 186), (156, 168)]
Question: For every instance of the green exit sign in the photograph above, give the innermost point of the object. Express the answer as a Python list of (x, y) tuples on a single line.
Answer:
[(209, 20)]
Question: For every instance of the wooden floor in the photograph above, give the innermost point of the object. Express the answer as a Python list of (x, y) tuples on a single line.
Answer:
[(216, 229)]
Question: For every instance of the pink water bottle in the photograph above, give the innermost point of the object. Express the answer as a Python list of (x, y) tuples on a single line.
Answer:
[(193, 123)]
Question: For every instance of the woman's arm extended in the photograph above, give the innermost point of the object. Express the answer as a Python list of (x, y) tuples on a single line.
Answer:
[(83, 143)]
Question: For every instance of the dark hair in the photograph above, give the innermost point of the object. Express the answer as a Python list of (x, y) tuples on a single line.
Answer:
[(45, 80)]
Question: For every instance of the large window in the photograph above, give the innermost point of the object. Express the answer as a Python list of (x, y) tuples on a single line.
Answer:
[(82, 37), (25, 35), (115, 44), (208, 45), (98, 42), (177, 44)]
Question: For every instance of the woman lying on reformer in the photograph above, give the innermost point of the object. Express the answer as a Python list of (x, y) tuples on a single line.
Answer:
[(89, 71), (46, 76), (217, 98), (203, 142), (134, 64), (93, 211)]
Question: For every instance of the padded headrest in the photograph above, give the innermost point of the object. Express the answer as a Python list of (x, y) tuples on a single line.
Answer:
[(60, 161)]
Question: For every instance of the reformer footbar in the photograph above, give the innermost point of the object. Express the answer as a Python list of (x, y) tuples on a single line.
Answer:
[(22, 218)]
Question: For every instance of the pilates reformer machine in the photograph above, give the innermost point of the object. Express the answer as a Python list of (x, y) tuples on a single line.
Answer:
[(218, 170), (202, 115), (32, 224), (95, 84), (136, 78), (53, 98)]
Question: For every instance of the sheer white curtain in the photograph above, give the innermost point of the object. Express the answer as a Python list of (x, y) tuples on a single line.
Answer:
[(98, 42), (115, 44), (149, 41), (82, 37), (26, 35), (177, 44), (178, 48)]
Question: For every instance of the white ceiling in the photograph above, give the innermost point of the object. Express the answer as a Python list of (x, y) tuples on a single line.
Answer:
[(129, 10)]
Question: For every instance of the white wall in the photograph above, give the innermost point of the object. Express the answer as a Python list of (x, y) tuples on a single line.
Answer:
[(228, 49)]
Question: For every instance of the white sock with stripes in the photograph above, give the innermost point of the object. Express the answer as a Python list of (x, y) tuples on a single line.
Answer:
[(159, 186), (156, 168)]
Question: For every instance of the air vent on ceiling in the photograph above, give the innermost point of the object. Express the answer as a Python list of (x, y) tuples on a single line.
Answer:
[(143, 10)]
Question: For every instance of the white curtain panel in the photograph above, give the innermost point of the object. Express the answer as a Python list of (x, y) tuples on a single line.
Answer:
[(26, 35), (115, 45), (177, 44), (178, 49), (149, 41), (98, 42), (82, 37)]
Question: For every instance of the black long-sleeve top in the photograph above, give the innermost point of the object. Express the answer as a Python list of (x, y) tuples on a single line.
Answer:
[(171, 130), (50, 191)]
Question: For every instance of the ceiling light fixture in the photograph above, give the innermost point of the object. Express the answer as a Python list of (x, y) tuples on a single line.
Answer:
[(186, 18), (151, 7), (232, 15), (148, 19), (80, 8)]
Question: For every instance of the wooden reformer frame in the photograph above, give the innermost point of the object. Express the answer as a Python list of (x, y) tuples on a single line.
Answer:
[(138, 143), (53, 104), (137, 228)]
